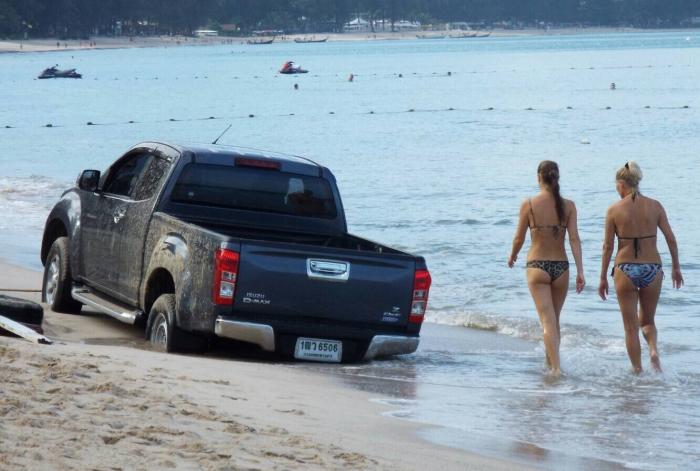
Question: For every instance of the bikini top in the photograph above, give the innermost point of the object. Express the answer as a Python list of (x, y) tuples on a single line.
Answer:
[(636, 240), (555, 227)]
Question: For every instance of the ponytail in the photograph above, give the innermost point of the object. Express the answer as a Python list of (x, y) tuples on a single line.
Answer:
[(631, 174), (549, 174)]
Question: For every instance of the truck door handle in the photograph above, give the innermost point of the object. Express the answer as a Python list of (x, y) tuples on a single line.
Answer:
[(118, 214), (327, 270)]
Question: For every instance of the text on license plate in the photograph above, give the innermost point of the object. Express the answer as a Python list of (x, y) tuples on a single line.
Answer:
[(318, 350)]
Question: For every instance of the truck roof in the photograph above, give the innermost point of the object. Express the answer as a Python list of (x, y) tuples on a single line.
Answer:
[(294, 163)]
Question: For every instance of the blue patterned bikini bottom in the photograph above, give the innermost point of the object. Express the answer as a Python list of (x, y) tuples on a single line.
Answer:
[(641, 274)]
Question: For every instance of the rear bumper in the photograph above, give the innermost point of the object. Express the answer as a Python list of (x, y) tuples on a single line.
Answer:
[(260, 334), (387, 345), (263, 335)]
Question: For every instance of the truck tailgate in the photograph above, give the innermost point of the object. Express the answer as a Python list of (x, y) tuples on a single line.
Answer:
[(314, 282)]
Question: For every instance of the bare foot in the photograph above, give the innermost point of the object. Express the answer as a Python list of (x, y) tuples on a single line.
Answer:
[(655, 362), (554, 374)]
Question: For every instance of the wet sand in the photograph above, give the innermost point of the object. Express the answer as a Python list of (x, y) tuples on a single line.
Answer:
[(100, 395)]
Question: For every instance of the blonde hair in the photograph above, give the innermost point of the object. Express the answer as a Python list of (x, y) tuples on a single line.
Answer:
[(631, 174)]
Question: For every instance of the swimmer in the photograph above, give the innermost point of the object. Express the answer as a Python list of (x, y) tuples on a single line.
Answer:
[(296, 86), (637, 269), (351, 78), (549, 217), (613, 86)]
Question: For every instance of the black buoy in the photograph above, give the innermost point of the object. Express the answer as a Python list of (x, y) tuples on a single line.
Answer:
[(449, 74), (332, 112), (90, 123), (400, 75), (450, 109), (49, 125), (251, 116), (685, 107), (569, 108), (647, 107), (173, 119), (211, 117), (490, 108), (296, 86), (411, 110), (8, 127), (371, 112), (608, 107), (131, 122)]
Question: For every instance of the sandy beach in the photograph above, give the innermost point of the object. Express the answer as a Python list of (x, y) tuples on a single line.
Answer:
[(121, 42), (100, 399)]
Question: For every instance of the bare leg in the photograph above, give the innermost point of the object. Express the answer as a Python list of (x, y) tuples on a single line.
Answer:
[(628, 298), (560, 288), (648, 300), (539, 283)]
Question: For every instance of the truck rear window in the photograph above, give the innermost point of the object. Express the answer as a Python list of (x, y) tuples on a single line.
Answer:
[(255, 190)]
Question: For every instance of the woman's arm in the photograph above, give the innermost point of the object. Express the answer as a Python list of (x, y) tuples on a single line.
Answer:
[(575, 242), (520, 232), (608, 247), (665, 227)]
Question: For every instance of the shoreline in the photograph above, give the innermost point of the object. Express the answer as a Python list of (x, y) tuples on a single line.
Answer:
[(112, 397), (126, 42)]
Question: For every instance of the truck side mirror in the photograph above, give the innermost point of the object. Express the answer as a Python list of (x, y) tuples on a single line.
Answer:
[(89, 180)]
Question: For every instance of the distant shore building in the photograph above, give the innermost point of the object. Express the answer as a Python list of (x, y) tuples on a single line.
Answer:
[(358, 25), (399, 26), (206, 33)]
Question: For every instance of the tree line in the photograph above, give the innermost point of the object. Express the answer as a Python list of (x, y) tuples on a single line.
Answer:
[(82, 18)]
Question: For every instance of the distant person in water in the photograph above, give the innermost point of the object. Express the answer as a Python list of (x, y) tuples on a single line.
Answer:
[(549, 217), (637, 270)]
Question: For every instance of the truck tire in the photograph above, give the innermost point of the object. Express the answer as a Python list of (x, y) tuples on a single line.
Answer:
[(21, 310), (162, 330), (57, 283)]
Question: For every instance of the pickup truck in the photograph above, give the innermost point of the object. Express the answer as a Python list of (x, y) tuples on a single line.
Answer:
[(195, 242)]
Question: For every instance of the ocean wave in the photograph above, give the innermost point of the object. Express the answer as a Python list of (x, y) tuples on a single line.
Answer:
[(27, 200)]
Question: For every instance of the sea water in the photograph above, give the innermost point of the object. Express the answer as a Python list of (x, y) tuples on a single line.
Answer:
[(434, 144)]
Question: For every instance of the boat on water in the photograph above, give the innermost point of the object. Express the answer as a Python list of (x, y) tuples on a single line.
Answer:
[(54, 72), (431, 36), (312, 39), (290, 69), (464, 35), (257, 42), (471, 34)]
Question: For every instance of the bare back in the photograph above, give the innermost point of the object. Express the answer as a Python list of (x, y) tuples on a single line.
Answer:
[(547, 233), (635, 222)]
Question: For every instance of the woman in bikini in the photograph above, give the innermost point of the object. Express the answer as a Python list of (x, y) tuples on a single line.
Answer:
[(549, 217), (637, 269)]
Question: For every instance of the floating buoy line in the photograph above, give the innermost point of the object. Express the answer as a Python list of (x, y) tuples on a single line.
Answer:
[(444, 74), (334, 113)]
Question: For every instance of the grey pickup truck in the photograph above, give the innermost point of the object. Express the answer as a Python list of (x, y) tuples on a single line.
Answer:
[(204, 241)]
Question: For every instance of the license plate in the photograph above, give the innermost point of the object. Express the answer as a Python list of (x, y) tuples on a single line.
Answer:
[(319, 350)]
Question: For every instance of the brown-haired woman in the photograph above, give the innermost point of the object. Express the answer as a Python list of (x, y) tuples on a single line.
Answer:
[(637, 270), (549, 216)]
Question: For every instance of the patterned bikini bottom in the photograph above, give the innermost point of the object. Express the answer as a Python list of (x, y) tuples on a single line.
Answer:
[(554, 268), (641, 274)]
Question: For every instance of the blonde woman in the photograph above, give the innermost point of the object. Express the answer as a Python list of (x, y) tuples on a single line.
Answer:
[(637, 270), (549, 217)]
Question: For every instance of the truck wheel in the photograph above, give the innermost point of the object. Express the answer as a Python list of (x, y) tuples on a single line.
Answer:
[(21, 310), (57, 282), (163, 332)]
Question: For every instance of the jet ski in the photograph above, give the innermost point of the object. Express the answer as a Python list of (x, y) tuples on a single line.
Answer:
[(54, 72), (289, 69)]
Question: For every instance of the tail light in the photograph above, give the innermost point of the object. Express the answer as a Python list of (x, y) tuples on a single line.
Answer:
[(225, 275), (421, 288)]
